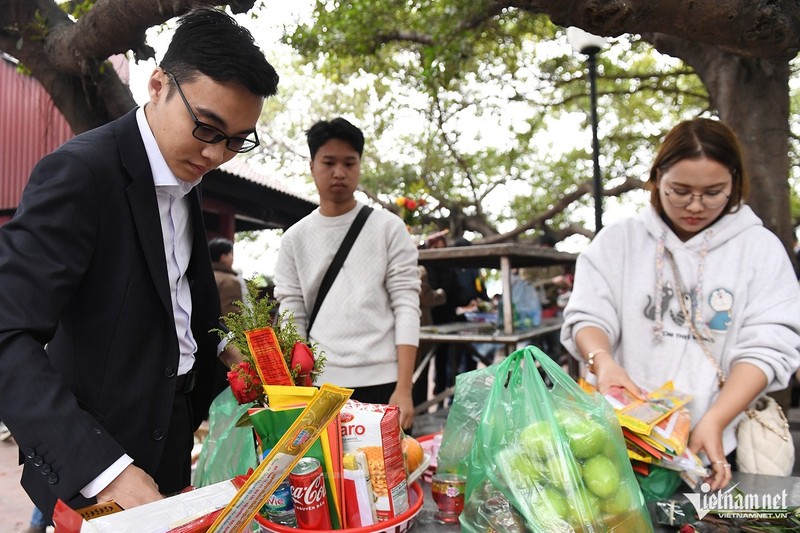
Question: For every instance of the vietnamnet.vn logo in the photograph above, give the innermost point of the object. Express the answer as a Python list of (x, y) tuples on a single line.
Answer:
[(733, 503)]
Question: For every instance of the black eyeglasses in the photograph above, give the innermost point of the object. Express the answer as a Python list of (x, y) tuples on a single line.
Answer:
[(211, 135), (683, 198)]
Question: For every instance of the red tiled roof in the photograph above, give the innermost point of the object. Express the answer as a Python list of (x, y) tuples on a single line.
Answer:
[(240, 167)]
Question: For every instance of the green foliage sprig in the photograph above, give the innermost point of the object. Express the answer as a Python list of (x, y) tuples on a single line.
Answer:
[(258, 312)]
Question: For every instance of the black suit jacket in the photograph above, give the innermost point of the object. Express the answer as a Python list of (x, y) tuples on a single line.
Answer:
[(83, 271)]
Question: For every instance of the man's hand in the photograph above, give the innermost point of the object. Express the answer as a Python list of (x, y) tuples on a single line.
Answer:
[(402, 399), (231, 355), (131, 488)]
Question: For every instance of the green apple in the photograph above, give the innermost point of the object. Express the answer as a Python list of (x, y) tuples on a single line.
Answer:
[(557, 501), (538, 439), (586, 436), (618, 503), (518, 467), (558, 473), (601, 476)]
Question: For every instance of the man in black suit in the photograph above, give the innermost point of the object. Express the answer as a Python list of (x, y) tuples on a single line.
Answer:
[(107, 290)]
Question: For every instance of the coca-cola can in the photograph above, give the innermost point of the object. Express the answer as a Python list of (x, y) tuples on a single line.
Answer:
[(308, 495)]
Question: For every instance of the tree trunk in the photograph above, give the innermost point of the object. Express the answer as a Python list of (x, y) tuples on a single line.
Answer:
[(752, 97)]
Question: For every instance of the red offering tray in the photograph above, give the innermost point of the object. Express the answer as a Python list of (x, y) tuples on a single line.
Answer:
[(398, 524), (430, 445)]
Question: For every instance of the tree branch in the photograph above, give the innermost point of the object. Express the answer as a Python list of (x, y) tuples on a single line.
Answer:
[(751, 28), (584, 188), (69, 58)]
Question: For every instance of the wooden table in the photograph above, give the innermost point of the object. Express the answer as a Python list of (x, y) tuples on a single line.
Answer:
[(485, 332), (497, 256), (492, 256), (470, 333)]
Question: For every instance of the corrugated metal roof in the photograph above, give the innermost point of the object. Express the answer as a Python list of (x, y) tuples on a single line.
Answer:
[(30, 127)]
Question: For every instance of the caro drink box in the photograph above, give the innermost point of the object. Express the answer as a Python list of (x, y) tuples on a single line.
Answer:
[(374, 429)]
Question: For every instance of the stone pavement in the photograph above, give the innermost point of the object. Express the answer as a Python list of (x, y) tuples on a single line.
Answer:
[(15, 507)]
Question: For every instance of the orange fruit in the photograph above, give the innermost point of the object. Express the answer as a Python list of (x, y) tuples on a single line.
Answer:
[(412, 452)]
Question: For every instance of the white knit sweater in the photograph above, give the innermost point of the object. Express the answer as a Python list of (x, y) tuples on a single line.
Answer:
[(373, 304)]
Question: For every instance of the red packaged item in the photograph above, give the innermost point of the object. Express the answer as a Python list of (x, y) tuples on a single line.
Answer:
[(374, 429), (308, 495)]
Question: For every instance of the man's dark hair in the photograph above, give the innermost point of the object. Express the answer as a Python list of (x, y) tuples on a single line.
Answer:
[(211, 42), (338, 128), (219, 246)]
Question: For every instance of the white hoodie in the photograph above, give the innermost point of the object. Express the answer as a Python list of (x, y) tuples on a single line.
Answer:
[(744, 295)]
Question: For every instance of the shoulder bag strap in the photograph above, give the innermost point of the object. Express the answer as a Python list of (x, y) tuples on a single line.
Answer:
[(690, 318), (337, 262)]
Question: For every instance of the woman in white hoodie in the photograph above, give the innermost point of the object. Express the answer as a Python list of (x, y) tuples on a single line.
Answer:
[(696, 253)]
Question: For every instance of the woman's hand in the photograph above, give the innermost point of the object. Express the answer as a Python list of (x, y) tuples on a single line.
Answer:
[(595, 348), (707, 437), (610, 374), (745, 382)]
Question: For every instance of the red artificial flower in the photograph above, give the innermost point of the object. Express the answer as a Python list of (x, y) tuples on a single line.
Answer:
[(411, 204), (245, 383), (304, 359)]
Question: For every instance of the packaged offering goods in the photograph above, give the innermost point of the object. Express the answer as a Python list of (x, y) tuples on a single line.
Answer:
[(286, 403), (656, 430), (308, 495), (359, 497), (642, 416), (374, 430), (228, 506), (323, 408), (280, 508), (549, 457)]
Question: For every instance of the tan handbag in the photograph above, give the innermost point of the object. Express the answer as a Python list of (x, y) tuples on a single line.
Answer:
[(765, 445)]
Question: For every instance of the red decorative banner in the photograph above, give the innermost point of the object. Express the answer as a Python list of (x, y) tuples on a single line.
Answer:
[(268, 357)]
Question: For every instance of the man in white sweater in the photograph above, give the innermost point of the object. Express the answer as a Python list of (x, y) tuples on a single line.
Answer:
[(368, 324)]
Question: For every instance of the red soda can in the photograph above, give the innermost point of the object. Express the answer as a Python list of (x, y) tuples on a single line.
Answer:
[(308, 495)]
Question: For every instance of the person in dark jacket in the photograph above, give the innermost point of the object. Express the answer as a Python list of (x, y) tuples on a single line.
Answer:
[(106, 353)]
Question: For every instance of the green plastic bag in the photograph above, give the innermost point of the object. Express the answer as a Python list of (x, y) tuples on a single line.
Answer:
[(472, 391), (549, 459), (659, 484), (228, 451)]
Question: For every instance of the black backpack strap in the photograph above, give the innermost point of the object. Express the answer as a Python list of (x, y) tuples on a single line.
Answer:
[(337, 262)]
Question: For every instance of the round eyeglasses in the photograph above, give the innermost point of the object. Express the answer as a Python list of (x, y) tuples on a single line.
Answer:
[(684, 198), (211, 135)]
